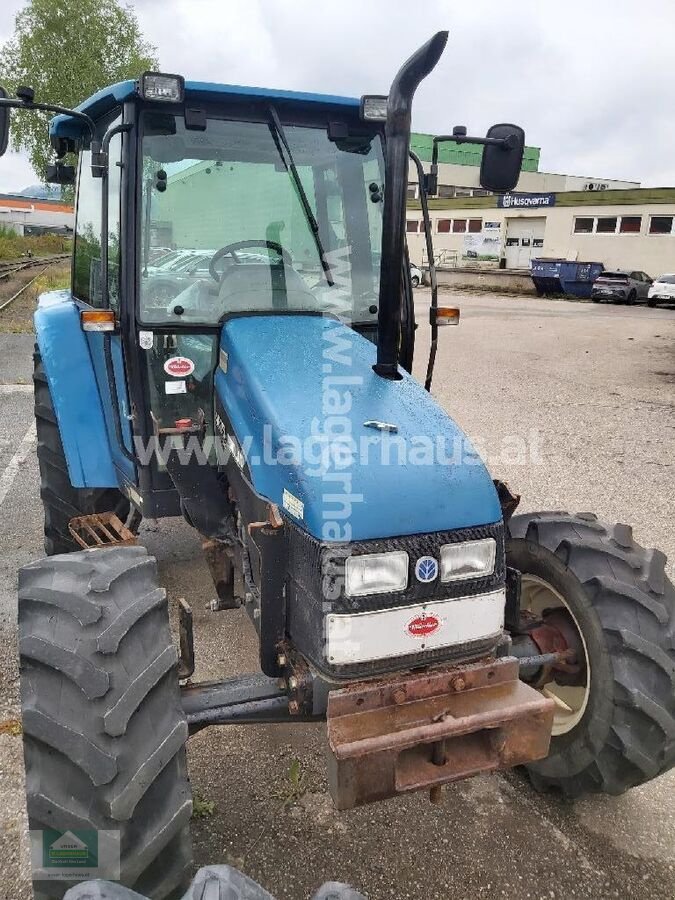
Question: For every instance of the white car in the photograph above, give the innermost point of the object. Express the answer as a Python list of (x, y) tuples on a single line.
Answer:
[(662, 288), (415, 275)]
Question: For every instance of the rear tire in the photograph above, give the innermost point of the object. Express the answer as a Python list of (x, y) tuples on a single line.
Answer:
[(624, 608), (61, 501), (651, 303), (104, 729), (415, 281), (632, 297)]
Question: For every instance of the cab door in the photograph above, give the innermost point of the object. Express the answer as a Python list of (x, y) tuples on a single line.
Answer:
[(105, 348)]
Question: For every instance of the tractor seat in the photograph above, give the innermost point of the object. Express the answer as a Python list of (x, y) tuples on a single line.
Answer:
[(262, 287)]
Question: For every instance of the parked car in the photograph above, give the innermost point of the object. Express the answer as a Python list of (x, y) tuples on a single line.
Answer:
[(663, 288), (415, 275), (620, 286)]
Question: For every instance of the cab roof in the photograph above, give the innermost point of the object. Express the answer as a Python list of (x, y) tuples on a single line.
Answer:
[(107, 99)]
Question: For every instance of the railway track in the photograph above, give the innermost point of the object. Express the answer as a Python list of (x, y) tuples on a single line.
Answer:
[(12, 269)]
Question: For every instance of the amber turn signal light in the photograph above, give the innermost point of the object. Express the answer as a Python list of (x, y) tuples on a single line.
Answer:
[(98, 320), (445, 315)]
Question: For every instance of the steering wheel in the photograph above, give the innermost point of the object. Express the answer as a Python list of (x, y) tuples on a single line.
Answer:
[(231, 250)]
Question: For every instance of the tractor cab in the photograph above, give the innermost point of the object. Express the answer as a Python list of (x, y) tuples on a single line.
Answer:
[(217, 202)]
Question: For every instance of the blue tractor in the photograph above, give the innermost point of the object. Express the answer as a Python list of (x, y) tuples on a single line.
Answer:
[(269, 402)]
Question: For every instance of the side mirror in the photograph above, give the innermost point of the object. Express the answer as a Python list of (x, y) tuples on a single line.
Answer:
[(4, 123), (502, 158), (59, 173)]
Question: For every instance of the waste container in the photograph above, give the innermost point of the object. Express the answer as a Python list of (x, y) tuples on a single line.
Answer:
[(564, 276)]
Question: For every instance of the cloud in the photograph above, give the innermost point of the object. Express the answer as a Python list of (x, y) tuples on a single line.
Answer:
[(591, 83)]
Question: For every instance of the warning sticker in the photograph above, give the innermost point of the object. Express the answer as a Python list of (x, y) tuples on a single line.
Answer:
[(145, 340), (175, 387), (293, 505), (179, 366)]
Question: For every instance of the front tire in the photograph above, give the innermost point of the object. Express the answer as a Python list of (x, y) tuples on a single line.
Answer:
[(61, 501), (104, 729), (622, 732)]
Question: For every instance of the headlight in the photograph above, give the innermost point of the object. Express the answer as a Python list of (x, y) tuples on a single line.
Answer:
[(469, 559), (376, 573)]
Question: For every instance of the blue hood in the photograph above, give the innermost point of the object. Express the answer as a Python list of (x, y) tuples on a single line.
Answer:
[(289, 384)]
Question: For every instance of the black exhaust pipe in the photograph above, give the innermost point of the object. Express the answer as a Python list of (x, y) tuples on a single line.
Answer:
[(397, 132)]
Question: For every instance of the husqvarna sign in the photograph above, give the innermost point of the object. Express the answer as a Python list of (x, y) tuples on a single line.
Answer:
[(525, 201)]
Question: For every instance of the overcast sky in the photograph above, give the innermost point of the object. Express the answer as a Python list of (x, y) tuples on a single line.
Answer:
[(591, 81)]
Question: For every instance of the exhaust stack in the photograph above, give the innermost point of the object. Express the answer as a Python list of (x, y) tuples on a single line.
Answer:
[(397, 132)]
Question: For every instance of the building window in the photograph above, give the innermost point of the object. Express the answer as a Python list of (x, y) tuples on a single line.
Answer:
[(444, 225), (411, 226), (475, 225), (606, 225), (630, 224), (463, 192), (458, 226), (446, 190), (583, 225), (412, 190), (661, 225)]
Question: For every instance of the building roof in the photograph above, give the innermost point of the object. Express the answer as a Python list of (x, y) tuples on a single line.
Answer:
[(104, 101), (612, 197), (19, 201)]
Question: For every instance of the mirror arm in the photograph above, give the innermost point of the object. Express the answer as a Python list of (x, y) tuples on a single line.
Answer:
[(506, 143), (432, 269), (103, 153), (61, 110)]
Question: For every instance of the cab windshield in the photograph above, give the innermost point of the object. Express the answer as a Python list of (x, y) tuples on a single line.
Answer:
[(259, 217)]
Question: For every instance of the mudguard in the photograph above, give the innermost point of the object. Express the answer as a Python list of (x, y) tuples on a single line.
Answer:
[(72, 382)]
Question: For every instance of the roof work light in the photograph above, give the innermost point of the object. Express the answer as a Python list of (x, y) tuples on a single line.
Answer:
[(374, 108), (163, 87)]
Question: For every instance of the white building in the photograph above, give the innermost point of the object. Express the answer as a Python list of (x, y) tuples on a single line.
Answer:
[(24, 214)]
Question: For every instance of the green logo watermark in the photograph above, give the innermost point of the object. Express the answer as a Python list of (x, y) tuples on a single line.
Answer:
[(75, 854), (70, 849)]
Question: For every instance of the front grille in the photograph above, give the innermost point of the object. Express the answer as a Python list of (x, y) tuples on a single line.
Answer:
[(321, 567), (315, 587)]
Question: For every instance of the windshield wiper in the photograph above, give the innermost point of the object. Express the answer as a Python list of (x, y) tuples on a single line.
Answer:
[(279, 136)]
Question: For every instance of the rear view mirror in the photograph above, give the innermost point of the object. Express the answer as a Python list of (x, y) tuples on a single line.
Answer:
[(59, 173), (4, 123), (502, 158)]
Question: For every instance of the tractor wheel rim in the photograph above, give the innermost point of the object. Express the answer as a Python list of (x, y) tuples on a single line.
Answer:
[(570, 701)]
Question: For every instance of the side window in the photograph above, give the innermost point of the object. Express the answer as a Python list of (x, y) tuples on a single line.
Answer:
[(87, 251)]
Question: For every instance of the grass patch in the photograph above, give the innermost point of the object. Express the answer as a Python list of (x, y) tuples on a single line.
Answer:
[(14, 246), (56, 278)]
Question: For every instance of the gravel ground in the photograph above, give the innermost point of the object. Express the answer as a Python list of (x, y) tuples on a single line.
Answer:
[(574, 405)]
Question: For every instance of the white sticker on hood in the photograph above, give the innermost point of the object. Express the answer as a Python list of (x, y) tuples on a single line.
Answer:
[(293, 505)]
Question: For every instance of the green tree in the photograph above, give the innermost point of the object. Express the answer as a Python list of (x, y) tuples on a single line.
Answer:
[(67, 50)]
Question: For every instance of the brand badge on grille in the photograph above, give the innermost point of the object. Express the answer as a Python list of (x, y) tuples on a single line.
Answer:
[(423, 625), (426, 569)]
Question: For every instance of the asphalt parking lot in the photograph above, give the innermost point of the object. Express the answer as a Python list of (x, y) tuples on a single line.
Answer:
[(574, 405)]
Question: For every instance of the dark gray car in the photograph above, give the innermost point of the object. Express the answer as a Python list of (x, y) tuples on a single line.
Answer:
[(621, 286)]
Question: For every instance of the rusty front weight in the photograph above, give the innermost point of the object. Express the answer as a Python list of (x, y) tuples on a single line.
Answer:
[(413, 732)]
